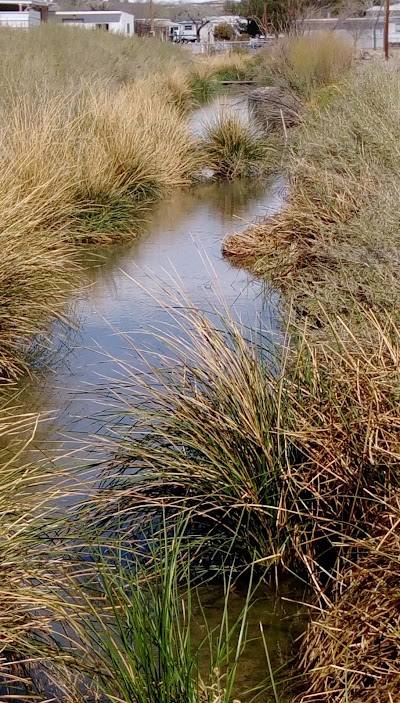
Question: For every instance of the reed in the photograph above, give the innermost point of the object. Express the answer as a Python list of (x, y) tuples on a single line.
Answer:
[(309, 63)]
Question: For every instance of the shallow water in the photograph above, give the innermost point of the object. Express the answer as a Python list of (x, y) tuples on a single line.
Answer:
[(181, 247)]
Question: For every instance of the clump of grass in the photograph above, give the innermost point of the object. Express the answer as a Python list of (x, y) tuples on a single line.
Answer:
[(307, 63), (235, 148), (352, 650)]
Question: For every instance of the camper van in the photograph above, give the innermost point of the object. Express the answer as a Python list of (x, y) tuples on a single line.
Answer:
[(186, 32)]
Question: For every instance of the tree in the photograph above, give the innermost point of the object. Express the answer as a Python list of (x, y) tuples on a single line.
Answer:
[(275, 16), (142, 28), (224, 32)]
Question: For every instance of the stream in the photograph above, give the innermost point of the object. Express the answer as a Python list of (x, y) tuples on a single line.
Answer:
[(182, 242)]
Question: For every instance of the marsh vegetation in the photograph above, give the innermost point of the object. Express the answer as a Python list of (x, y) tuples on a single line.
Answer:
[(235, 459)]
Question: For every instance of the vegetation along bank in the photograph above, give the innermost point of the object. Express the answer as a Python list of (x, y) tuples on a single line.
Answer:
[(94, 128), (259, 462)]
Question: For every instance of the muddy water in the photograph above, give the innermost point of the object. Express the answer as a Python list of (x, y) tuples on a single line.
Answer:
[(182, 243)]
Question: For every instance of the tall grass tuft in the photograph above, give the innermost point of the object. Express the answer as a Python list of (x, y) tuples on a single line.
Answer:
[(235, 148)]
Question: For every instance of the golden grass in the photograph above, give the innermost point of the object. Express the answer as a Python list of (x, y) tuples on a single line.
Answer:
[(352, 651), (336, 238), (92, 130), (308, 63)]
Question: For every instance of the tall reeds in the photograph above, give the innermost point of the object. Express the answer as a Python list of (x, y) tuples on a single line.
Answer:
[(309, 63), (335, 240)]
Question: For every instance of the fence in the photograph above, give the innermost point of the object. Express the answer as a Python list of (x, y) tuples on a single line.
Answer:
[(218, 47)]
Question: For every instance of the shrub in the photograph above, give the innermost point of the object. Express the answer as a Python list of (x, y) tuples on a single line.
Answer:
[(224, 32)]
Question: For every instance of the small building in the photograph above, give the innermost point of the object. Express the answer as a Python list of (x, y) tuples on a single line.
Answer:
[(108, 20), (22, 15)]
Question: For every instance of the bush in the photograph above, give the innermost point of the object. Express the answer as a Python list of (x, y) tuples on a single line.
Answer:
[(224, 32)]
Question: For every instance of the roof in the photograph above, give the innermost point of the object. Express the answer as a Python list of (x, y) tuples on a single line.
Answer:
[(329, 23), (43, 3), (88, 13)]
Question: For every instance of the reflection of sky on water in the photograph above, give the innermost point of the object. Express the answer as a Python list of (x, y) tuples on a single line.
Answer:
[(183, 243)]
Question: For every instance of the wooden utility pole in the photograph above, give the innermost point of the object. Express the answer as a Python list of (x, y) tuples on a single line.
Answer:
[(151, 9), (386, 30)]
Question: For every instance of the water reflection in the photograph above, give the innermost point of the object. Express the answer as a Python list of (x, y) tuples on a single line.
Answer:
[(183, 241)]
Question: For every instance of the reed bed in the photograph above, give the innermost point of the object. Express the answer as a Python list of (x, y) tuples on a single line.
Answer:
[(286, 462), (93, 130), (335, 240), (333, 251), (308, 64)]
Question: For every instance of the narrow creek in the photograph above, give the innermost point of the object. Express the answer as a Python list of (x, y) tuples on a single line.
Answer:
[(182, 241)]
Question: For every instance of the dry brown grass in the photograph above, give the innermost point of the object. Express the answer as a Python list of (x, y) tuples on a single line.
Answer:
[(307, 63), (352, 651), (336, 239)]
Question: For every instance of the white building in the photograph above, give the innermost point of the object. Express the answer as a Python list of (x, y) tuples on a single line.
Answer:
[(21, 15), (108, 20), (187, 32), (363, 32)]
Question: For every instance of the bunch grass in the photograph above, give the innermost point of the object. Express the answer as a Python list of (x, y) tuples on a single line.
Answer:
[(236, 148)]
